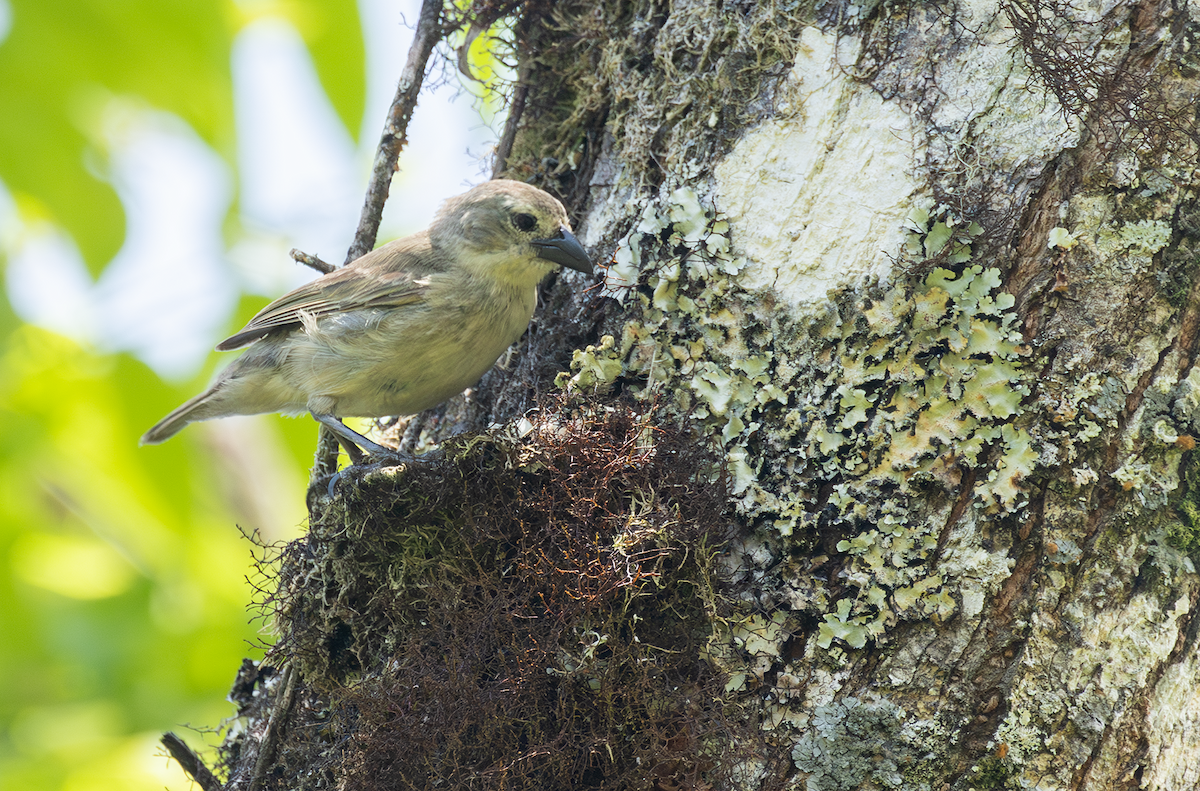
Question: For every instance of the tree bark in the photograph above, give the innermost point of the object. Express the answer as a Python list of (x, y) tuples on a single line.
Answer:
[(871, 465)]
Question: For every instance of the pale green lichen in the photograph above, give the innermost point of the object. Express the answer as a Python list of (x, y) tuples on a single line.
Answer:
[(1165, 432), (878, 394), (1061, 238), (759, 638), (932, 380), (1132, 243), (1148, 236), (931, 234), (595, 367), (851, 743)]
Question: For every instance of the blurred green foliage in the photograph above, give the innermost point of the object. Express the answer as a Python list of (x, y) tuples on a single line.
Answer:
[(123, 593), (123, 601), (63, 60)]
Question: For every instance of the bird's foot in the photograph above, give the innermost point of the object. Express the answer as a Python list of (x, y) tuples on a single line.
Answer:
[(366, 455), (380, 461)]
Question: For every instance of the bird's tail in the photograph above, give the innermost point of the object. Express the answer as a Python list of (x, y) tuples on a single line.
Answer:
[(198, 408)]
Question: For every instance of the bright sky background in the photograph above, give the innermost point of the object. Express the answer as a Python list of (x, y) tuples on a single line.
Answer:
[(169, 292)]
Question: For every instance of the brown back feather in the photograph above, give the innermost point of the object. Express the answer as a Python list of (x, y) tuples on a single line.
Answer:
[(385, 277)]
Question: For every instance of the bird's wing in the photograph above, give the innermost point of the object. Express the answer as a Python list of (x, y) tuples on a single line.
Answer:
[(389, 277)]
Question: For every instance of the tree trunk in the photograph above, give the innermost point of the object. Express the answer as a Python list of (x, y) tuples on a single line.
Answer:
[(871, 465)]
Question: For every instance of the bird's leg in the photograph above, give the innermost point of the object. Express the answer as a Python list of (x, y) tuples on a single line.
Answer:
[(354, 443), (378, 455)]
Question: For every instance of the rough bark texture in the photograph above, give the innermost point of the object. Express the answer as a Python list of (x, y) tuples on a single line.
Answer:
[(872, 464)]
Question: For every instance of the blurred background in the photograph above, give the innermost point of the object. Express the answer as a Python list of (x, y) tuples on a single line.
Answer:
[(158, 158)]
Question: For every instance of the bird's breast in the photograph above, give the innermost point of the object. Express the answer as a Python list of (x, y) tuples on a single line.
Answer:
[(402, 361)]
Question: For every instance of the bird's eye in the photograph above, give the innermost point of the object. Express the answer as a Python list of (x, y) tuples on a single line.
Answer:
[(524, 222)]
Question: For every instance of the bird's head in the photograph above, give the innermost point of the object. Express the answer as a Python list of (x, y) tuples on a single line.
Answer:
[(513, 230)]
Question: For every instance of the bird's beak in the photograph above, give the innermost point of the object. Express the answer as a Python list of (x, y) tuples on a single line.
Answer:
[(565, 250)]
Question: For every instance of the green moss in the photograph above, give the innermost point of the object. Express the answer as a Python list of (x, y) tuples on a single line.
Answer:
[(1184, 534), (992, 774), (657, 84)]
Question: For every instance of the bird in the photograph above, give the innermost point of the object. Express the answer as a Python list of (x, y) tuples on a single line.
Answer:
[(401, 329)]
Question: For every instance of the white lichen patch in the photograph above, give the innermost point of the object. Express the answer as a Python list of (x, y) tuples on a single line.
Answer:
[(1081, 667), (818, 194), (852, 743), (1175, 737), (987, 112)]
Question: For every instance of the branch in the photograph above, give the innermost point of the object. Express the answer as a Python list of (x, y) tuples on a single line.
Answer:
[(395, 135), (310, 260), (486, 16), (395, 130), (279, 713), (191, 762)]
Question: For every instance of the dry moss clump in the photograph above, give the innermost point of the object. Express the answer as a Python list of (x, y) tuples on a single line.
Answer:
[(533, 613)]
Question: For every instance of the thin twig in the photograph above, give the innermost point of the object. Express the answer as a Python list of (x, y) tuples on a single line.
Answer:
[(279, 712), (486, 15), (191, 762), (395, 135), (311, 261)]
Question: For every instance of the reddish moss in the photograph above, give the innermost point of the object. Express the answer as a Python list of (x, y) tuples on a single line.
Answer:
[(530, 614)]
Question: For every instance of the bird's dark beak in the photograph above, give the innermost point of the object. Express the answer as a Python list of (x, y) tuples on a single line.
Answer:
[(566, 250)]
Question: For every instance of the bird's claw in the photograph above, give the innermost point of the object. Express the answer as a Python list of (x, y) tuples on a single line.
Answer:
[(337, 476), (367, 455), (382, 460)]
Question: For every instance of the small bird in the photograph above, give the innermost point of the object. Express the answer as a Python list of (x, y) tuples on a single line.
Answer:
[(404, 327)]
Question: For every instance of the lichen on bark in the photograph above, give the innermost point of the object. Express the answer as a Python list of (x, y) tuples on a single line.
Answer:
[(929, 305)]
